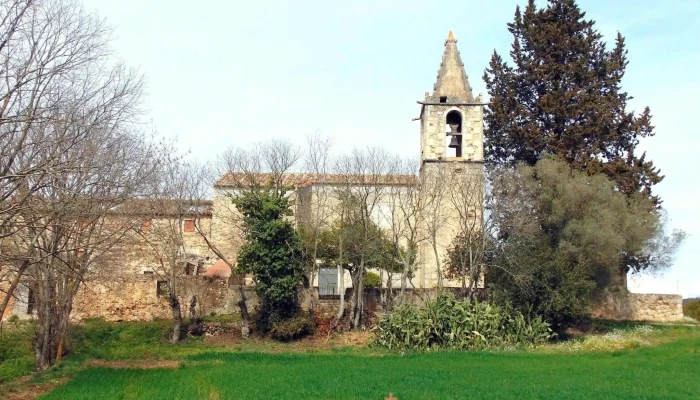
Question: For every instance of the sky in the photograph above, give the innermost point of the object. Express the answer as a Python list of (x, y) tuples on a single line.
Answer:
[(232, 73)]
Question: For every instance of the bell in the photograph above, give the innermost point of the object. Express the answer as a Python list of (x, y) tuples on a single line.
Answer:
[(453, 128), (454, 142)]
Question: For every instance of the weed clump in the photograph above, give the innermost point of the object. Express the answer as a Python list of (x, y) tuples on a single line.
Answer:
[(448, 323)]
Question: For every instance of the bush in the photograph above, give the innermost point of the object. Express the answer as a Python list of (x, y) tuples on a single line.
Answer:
[(372, 280), (293, 328), (451, 324), (692, 309)]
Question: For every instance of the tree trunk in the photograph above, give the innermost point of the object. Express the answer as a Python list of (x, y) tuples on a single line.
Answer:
[(177, 318), (382, 293), (437, 265), (193, 308), (341, 279), (358, 297), (341, 292), (243, 307), (13, 286), (389, 291)]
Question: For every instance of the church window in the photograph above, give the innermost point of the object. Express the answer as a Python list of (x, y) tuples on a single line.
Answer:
[(443, 99)]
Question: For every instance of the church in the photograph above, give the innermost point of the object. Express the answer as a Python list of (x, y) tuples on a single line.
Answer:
[(451, 143)]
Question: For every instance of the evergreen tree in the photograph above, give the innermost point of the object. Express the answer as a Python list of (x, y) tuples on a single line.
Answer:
[(561, 95), (272, 253)]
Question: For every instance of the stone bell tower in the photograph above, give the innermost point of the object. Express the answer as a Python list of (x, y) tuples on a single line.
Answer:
[(451, 118), (452, 152)]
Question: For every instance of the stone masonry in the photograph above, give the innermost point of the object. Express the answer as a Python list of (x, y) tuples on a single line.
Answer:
[(640, 307)]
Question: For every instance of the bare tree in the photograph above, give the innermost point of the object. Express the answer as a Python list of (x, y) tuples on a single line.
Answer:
[(436, 214), (314, 206), (405, 202), (466, 256), (70, 232), (174, 212), (69, 155), (363, 176)]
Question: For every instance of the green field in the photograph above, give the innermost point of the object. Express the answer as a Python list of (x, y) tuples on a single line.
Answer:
[(667, 371), (612, 361)]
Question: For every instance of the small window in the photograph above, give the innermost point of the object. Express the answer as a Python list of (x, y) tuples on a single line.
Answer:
[(443, 99), (189, 269), (188, 225), (162, 289), (148, 272), (146, 225)]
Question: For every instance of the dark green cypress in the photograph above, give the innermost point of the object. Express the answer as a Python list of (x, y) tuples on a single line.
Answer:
[(561, 94)]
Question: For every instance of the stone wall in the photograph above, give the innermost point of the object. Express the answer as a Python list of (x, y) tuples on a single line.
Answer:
[(138, 299), (639, 307)]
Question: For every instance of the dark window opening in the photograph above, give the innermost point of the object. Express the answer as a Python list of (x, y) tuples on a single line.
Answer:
[(189, 269), (148, 272), (162, 289), (453, 134), (443, 99)]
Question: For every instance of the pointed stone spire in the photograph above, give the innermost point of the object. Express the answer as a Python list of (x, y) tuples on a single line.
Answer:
[(452, 81)]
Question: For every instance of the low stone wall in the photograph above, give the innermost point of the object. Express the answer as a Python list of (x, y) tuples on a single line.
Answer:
[(639, 307), (134, 300)]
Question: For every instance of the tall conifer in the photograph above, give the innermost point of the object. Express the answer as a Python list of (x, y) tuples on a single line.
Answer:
[(561, 95)]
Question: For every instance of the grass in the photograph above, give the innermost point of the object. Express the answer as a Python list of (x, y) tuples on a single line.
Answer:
[(16, 354), (621, 360), (667, 371)]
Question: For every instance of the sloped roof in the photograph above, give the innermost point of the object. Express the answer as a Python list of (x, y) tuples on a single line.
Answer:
[(302, 180), (164, 207)]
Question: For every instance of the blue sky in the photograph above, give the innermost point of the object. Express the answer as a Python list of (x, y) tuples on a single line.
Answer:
[(235, 72)]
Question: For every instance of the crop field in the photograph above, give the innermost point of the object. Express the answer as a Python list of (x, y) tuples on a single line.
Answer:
[(634, 363)]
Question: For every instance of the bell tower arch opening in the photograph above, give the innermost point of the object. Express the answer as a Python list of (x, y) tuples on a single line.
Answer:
[(453, 134)]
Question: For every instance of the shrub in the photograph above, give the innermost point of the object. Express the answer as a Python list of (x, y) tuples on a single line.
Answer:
[(293, 328), (692, 309), (451, 324), (372, 280)]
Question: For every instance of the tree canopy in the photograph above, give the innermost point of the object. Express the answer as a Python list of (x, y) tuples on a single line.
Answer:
[(562, 95), (562, 236)]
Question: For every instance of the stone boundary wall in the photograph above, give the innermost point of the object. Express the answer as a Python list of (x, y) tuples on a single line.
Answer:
[(137, 300), (639, 307)]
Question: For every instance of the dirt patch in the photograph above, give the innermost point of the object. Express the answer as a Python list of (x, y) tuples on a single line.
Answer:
[(311, 343), (136, 364), (21, 390)]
